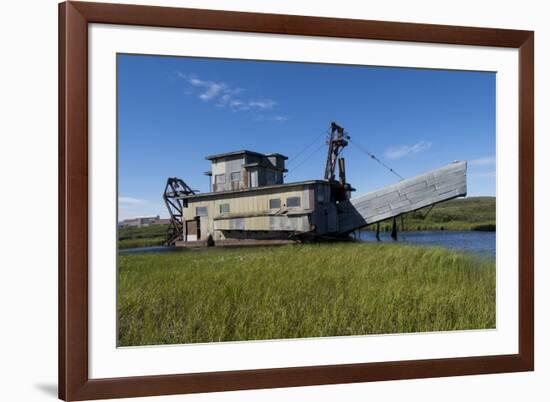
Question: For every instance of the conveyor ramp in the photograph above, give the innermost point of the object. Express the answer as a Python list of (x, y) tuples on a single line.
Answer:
[(408, 195)]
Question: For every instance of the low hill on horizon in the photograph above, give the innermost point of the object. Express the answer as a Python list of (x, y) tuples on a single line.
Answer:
[(470, 213)]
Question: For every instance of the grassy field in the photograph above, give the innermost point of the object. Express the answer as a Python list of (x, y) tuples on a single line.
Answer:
[(133, 237), (472, 213), (301, 291)]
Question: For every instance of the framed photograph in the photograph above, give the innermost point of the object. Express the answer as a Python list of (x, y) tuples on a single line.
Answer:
[(260, 200)]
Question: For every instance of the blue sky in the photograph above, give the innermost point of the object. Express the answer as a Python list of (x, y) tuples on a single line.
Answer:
[(173, 111)]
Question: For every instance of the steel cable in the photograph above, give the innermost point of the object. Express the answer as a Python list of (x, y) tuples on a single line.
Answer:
[(372, 156)]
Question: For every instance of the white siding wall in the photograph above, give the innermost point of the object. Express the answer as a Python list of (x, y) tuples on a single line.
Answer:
[(249, 203)]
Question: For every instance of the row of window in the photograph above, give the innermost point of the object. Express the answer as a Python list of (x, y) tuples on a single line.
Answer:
[(220, 178), (291, 202), (274, 203)]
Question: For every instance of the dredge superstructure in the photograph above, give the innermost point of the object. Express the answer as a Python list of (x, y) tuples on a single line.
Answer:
[(249, 202)]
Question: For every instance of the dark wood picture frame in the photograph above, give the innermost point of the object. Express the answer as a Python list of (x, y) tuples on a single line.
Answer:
[(74, 382)]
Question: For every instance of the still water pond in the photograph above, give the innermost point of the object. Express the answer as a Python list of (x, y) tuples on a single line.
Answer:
[(483, 243)]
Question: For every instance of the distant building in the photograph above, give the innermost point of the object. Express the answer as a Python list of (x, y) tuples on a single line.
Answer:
[(142, 221), (162, 221)]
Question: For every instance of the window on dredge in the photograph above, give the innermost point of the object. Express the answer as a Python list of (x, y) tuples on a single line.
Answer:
[(293, 202), (235, 176), (201, 211), (224, 208), (275, 203)]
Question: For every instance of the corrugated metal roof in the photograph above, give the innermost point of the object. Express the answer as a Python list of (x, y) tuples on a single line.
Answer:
[(258, 164)]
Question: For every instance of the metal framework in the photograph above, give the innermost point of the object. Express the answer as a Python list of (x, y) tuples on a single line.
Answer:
[(336, 143), (174, 189)]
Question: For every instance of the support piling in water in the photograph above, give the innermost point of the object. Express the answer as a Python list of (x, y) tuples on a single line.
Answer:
[(394, 229), (378, 231)]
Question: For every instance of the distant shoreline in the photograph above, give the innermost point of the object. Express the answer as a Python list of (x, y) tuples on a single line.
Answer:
[(488, 227)]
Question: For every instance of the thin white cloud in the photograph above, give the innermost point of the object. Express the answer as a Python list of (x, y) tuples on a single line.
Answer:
[(212, 91), (489, 160), (208, 89), (225, 95), (131, 201), (235, 104), (195, 81), (405, 150), (262, 104)]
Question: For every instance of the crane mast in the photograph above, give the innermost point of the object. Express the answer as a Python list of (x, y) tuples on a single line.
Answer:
[(337, 141)]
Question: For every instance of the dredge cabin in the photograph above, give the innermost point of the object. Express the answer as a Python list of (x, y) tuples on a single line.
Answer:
[(250, 203)]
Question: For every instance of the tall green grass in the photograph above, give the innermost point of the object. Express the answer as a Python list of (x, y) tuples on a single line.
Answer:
[(299, 291)]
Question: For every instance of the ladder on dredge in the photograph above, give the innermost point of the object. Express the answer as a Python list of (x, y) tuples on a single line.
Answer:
[(174, 189)]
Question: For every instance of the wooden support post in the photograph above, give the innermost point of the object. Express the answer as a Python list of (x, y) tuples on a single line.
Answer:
[(378, 231), (198, 219), (342, 170), (394, 229)]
